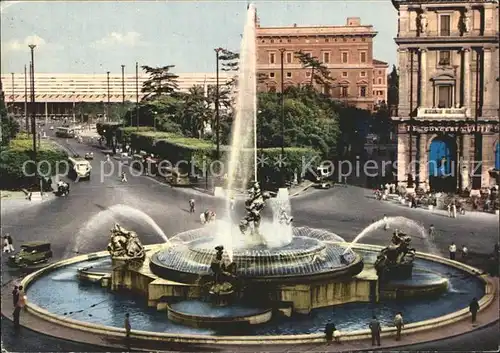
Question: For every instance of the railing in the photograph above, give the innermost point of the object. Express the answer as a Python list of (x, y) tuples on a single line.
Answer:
[(442, 113)]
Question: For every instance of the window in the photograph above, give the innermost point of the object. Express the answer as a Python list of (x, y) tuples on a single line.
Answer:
[(289, 74), (345, 57), (326, 58), (327, 40), (281, 40), (444, 57), (289, 58), (362, 57), (373, 81), (379, 80), (271, 75), (344, 74), (272, 40), (344, 91), (444, 99), (445, 25), (362, 74), (272, 58), (289, 40), (362, 91)]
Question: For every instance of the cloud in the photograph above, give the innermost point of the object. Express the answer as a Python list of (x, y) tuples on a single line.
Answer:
[(129, 39), (22, 44)]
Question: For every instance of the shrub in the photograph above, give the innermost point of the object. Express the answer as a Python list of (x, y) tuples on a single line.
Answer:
[(19, 151)]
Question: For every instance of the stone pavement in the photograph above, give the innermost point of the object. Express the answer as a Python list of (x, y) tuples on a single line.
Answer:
[(485, 318)]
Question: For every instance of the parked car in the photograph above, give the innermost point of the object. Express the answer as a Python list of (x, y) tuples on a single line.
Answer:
[(89, 155), (324, 184), (31, 253)]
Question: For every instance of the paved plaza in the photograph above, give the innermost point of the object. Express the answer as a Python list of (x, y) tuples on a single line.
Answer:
[(80, 224)]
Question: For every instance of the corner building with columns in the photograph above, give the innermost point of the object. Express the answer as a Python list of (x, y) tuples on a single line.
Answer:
[(448, 113)]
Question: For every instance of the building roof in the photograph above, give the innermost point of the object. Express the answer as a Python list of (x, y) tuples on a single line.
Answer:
[(380, 63), (397, 3)]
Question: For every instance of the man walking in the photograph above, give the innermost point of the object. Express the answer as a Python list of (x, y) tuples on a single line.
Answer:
[(15, 296), (465, 252), (398, 322), (386, 223), (453, 251), (10, 243), (375, 330), (128, 327), (431, 231), (191, 206), (474, 308), (329, 328), (21, 301)]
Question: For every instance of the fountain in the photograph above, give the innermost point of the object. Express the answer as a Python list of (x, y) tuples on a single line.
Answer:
[(252, 278)]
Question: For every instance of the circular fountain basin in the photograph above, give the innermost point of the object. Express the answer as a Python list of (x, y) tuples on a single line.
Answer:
[(55, 292), (197, 313), (309, 256)]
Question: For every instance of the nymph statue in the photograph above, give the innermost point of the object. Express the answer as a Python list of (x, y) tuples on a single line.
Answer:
[(396, 260), (422, 23), (125, 244), (222, 282), (254, 205)]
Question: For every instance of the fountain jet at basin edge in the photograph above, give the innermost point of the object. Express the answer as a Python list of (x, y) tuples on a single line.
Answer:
[(401, 223), (108, 216)]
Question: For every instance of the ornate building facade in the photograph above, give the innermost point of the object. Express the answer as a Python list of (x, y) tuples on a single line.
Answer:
[(347, 51), (448, 114)]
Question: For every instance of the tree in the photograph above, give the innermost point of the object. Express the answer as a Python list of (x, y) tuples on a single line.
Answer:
[(393, 89), (8, 125), (320, 74), (229, 60), (161, 82), (193, 113)]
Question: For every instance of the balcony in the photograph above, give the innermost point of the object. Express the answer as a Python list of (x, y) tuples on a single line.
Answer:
[(443, 113)]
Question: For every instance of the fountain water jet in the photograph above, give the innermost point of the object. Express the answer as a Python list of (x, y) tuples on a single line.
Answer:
[(109, 216), (398, 223)]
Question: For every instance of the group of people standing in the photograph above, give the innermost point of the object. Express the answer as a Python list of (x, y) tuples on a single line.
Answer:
[(8, 244)]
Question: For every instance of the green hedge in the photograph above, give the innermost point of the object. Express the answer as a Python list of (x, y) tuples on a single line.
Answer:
[(124, 134), (19, 151), (175, 148)]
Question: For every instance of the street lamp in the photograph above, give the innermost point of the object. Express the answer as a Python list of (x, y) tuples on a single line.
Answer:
[(217, 115), (107, 106), (282, 53), (123, 85), (26, 100), (33, 119), (137, 93)]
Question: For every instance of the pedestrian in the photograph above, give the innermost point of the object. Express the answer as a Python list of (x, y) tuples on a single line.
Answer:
[(191, 206), (474, 308), (107, 157), (128, 327), (449, 210), (454, 210), (15, 296), (453, 251), (399, 323), (203, 220), (124, 177), (431, 231), (375, 330), (21, 302), (231, 202), (386, 223), (5, 244), (329, 328), (465, 252), (10, 243)]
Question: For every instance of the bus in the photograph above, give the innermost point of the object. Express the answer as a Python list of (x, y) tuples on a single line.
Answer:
[(65, 132), (79, 168)]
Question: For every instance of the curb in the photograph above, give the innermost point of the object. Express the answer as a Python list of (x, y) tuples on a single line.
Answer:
[(358, 335)]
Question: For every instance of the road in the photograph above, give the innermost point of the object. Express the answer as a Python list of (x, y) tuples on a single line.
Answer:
[(81, 221)]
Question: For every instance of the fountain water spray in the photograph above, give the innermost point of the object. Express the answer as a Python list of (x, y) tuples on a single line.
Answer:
[(400, 223), (94, 225)]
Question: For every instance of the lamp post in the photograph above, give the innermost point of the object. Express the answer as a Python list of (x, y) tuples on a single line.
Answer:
[(13, 100), (33, 119), (282, 53), (123, 85), (26, 100), (217, 115), (107, 105), (137, 93)]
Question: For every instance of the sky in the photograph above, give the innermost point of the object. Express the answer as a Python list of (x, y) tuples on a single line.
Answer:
[(98, 36)]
